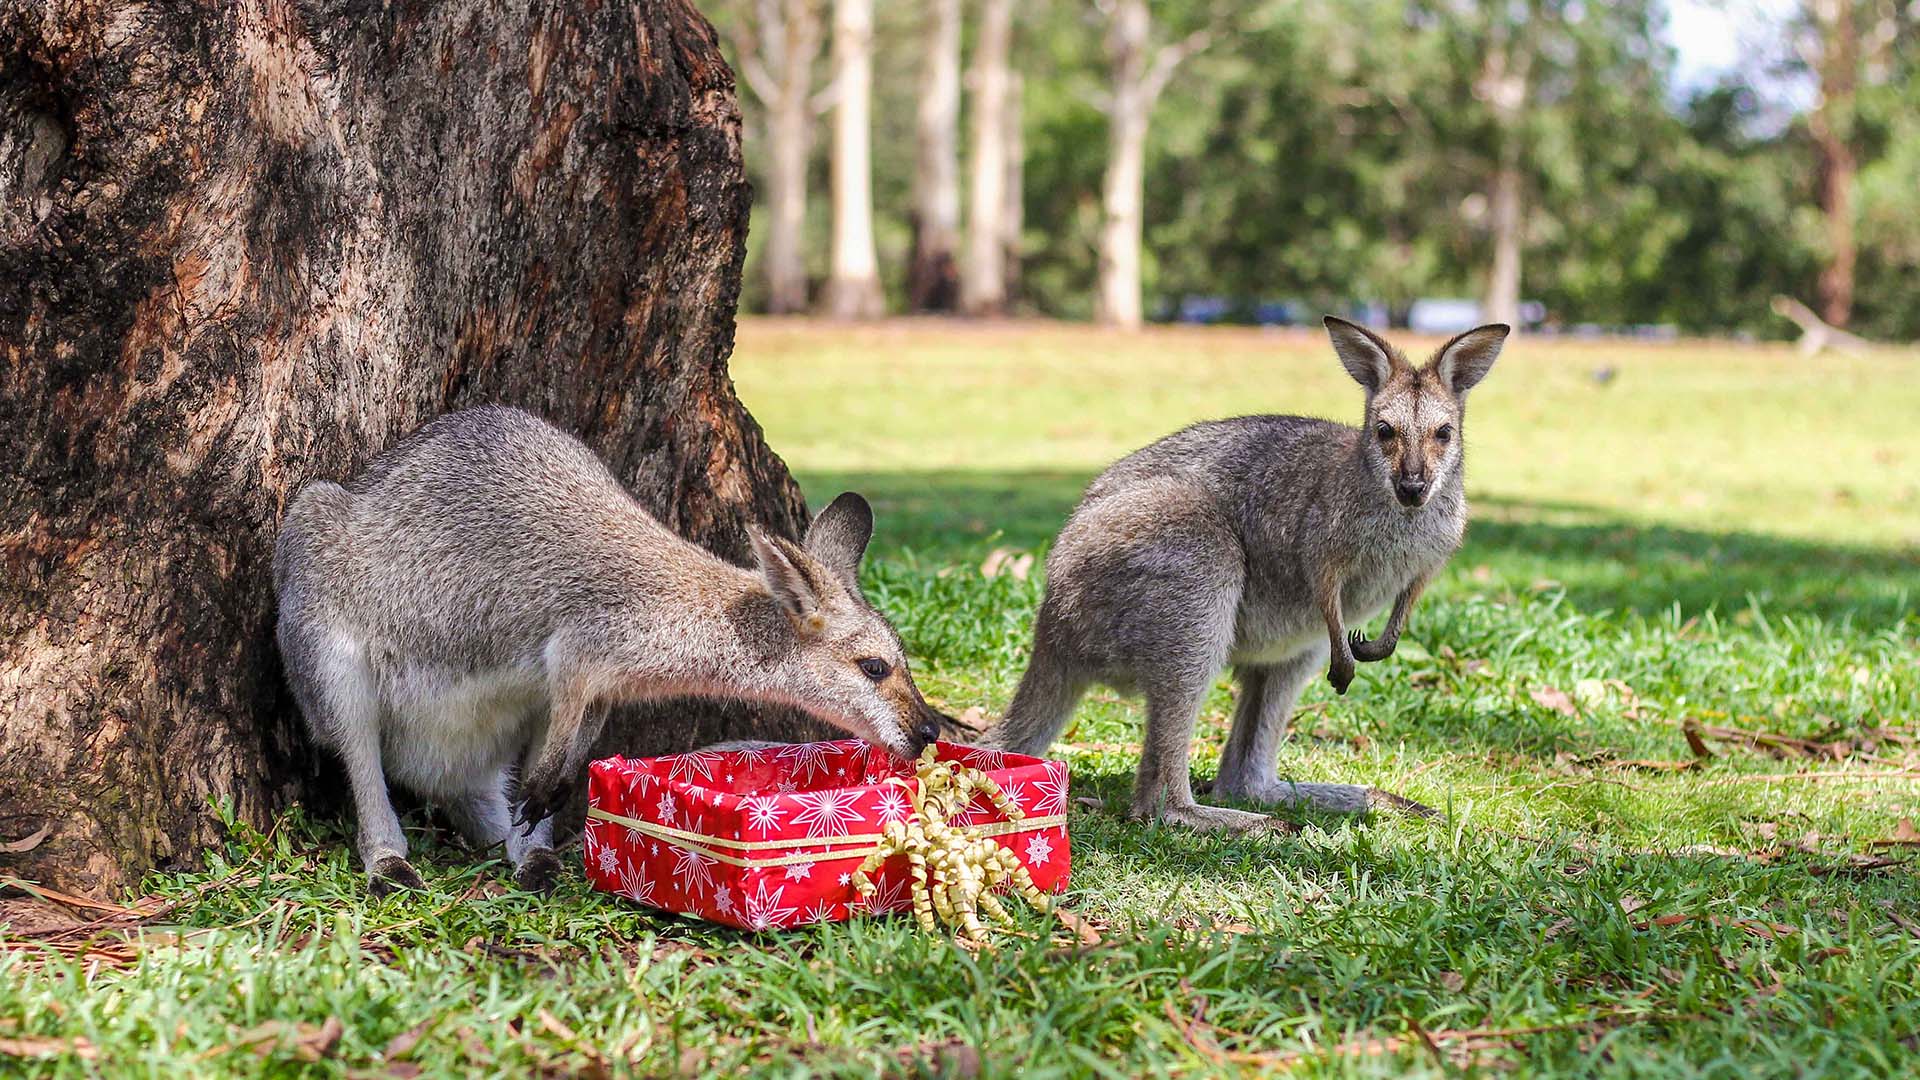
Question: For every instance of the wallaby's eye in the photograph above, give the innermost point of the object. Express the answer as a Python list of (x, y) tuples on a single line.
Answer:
[(1383, 431), (875, 668), (1444, 433)]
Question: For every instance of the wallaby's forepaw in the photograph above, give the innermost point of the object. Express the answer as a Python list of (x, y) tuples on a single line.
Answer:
[(538, 802), (539, 872), (1340, 674), (391, 874), (1368, 651)]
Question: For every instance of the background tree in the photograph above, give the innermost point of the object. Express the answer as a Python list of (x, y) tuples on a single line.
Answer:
[(933, 277), (984, 288), (853, 284), (777, 43), (250, 245), (1139, 72)]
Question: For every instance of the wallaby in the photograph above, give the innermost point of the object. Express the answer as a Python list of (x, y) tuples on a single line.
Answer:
[(1253, 542), (463, 611)]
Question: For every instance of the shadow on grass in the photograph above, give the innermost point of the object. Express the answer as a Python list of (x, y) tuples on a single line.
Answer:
[(1601, 560)]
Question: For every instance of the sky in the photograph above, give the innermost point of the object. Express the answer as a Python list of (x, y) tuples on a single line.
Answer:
[(1714, 37)]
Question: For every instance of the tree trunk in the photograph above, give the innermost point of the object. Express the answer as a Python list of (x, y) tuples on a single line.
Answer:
[(1123, 194), (1503, 277), (250, 244), (1831, 123), (933, 276), (1013, 217), (791, 29), (1504, 85), (853, 289), (983, 290)]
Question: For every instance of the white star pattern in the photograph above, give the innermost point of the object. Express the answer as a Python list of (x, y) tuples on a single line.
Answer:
[(1052, 792), (694, 761), (1039, 849), (805, 759), (981, 757), (693, 868), (763, 812), (799, 871), (609, 859), (820, 912), (846, 879), (668, 811), (892, 806), (786, 785), (750, 755), (827, 813), (890, 895), (723, 900), (635, 886), (764, 911)]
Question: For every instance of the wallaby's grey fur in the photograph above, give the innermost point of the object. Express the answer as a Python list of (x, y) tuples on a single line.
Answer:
[(1253, 542), (462, 612)]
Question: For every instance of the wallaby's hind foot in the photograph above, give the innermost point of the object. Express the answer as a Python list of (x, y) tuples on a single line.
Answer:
[(391, 874), (539, 872), (1334, 798), (1213, 818)]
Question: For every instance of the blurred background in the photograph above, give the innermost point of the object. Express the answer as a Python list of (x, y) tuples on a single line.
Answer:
[(1653, 167)]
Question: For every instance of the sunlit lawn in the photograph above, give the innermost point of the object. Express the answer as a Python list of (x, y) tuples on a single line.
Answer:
[(1663, 534)]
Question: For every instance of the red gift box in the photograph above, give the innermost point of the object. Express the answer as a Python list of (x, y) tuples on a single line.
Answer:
[(770, 837)]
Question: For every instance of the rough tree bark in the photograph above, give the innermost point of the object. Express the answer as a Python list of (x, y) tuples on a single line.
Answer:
[(1138, 77), (983, 289), (933, 275), (853, 282), (778, 44), (249, 244)]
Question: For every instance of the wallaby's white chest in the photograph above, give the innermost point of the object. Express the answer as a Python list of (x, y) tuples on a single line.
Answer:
[(446, 731)]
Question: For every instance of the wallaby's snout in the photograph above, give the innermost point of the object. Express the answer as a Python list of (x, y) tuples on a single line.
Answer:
[(1410, 490)]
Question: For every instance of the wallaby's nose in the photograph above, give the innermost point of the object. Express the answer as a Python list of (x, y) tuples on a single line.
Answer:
[(926, 734), (1410, 490)]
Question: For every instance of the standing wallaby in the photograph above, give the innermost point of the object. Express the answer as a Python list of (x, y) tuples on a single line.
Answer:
[(1253, 542), (467, 607)]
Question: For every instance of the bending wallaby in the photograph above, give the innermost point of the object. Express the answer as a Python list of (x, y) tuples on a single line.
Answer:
[(465, 609), (1253, 542)]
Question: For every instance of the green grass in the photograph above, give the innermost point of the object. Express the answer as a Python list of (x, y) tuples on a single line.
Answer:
[(1720, 534)]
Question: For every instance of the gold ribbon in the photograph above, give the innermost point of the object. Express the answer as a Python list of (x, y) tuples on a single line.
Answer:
[(705, 844)]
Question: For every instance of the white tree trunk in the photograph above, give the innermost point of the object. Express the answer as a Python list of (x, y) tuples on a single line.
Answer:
[(778, 44), (933, 280), (1013, 218), (984, 285), (1507, 219), (1123, 194), (853, 288)]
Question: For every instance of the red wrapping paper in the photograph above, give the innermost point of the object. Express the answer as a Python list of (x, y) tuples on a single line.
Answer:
[(769, 838)]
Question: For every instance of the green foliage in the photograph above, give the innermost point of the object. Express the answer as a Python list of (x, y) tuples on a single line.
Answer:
[(1332, 153)]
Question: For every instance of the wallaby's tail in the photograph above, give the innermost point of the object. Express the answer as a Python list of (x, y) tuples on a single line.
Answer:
[(1041, 707)]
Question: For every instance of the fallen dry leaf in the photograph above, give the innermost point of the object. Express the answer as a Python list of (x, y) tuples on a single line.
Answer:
[(1007, 561), (400, 1044), (1631, 904), (1452, 980), (40, 1048), (26, 843), (1904, 835), (1085, 931), (1555, 699)]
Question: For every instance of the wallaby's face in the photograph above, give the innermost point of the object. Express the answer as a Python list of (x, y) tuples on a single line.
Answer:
[(1411, 437), (856, 667)]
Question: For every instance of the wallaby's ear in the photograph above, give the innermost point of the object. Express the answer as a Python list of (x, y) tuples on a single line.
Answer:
[(1365, 356), (1464, 361), (792, 578), (839, 535)]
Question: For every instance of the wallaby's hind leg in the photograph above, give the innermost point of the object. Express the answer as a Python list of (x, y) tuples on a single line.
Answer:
[(1164, 790), (1043, 704), (484, 819), (1260, 721), (339, 697)]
